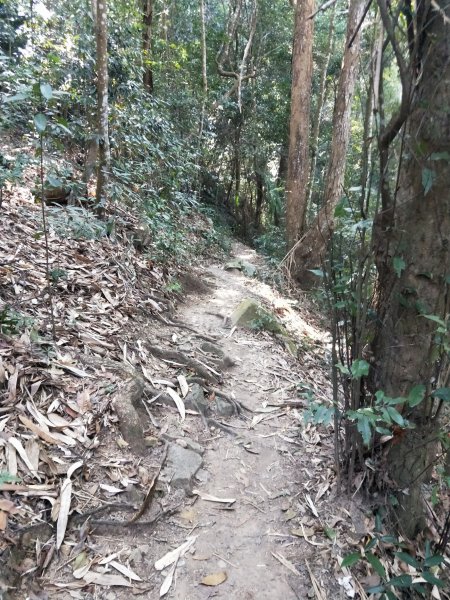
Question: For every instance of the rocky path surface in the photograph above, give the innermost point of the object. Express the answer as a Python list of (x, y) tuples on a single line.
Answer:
[(242, 499), (267, 466)]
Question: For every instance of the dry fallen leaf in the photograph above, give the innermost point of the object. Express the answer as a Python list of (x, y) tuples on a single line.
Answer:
[(64, 509), (106, 579), (174, 555), (214, 578), (178, 401), (184, 387), (210, 498), (167, 583), (125, 570)]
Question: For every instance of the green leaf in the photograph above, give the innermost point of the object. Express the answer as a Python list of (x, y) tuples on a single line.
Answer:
[(376, 564), (339, 211), (396, 416), (363, 426), (16, 97), (416, 395), (317, 272), (399, 265), (40, 120), (351, 559), (371, 544), (430, 578), (428, 179), (402, 581), (46, 91), (359, 368), (434, 560), (408, 559), (342, 368), (436, 319), (375, 589), (442, 394), (440, 156)]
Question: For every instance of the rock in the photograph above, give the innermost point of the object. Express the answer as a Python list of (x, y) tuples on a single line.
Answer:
[(195, 399), (212, 349), (249, 269), (223, 407), (190, 445), (241, 265), (251, 314), (182, 465), (150, 441), (139, 554), (202, 476)]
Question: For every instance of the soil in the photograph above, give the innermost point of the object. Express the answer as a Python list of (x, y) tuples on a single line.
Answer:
[(271, 541)]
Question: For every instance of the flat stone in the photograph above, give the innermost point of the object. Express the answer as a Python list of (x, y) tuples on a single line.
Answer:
[(251, 314), (182, 465), (195, 399), (223, 407), (212, 349)]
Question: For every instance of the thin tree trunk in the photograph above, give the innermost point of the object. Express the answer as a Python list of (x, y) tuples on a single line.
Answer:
[(147, 21), (298, 161), (260, 167), (413, 264), (312, 248), (204, 67), (104, 155), (321, 99)]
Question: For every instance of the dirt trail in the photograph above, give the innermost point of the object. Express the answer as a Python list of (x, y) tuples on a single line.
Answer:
[(268, 468), (277, 468)]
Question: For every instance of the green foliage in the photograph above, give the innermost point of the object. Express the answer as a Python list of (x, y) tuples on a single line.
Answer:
[(13, 322), (76, 222), (271, 243), (424, 567), (6, 477), (384, 415)]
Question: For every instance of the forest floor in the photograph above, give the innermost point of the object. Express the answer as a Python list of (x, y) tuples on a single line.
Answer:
[(154, 455)]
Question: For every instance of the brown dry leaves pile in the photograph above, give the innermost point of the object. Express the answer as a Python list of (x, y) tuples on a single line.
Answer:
[(55, 394)]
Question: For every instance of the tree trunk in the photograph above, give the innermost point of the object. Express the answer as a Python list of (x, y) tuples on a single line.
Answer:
[(321, 99), (260, 167), (104, 156), (147, 21), (312, 248), (204, 69), (298, 161), (413, 264)]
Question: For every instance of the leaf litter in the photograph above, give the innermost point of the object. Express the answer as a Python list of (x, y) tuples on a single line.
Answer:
[(55, 407)]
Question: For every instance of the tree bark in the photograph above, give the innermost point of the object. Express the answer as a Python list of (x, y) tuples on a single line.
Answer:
[(312, 247), (104, 155), (321, 99), (204, 69), (413, 262), (147, 22), (260, 167), (298, 160)]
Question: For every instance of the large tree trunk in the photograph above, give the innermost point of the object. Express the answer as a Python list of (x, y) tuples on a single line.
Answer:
[(147, 21), (321, 99), (104, 156), (312, 247), (298, 161), (412, 246)]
